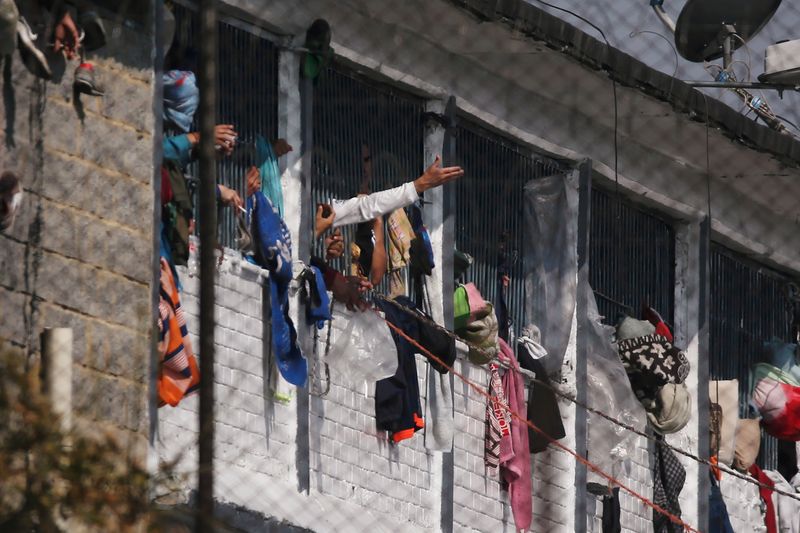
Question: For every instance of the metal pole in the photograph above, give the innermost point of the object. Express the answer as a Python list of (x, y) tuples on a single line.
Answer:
[(208, 234), (57, 373)]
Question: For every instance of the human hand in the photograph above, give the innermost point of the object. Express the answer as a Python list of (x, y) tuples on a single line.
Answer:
[(225, 138), (229, 197), (253, 180), (323, 223), (435, 175), (66, 38), (334, 245), (281, 147), (348, 290)]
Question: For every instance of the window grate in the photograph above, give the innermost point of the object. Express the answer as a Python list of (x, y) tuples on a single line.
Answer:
[(247, 97), (349, 111), (631, 258), (749, 306), (490, 202)]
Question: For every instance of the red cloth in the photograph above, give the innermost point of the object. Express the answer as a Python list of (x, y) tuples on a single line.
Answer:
[(779, 405), (766, 495)]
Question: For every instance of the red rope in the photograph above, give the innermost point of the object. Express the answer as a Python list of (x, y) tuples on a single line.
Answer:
[(596, 469)]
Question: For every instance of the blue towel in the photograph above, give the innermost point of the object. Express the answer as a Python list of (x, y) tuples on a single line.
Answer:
[(267, 164), (318, 314)]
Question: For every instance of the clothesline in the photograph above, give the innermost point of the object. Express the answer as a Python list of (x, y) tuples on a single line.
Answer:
[(531, 377), (594, 468)]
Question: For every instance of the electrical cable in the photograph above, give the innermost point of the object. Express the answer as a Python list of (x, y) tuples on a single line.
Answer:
[(591, 466), (531, 377)]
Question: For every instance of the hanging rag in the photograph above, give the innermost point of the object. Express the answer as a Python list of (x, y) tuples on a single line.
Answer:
[(179, 375), (668, 479), (267, 163), (482, 333), (779, 405), (672, 408), (420, 249), (718, 520), (612, 512), (651, 362), (747, 444), (728, 401), (181, 98), (397, 405), (551, 214), (497, 445), (273, 251), (630, 328), (770, 519), (439, 415), (543, 411), (516, 471), (788, 508), (400, 235), (318, 307)]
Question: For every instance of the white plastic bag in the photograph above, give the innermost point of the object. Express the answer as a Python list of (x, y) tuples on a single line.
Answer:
[(364, 349)]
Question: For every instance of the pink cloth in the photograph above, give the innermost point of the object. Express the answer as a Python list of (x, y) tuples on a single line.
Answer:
[(498, 447), (516, 471), (477, 305), (779, 405)]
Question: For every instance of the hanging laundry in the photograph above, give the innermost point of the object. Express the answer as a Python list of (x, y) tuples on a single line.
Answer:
[(498, 447), (747, 444), (788, 508), (718, 519), (479, 326), (176, 212), (766, 497), (671, 410), (439, 416), (728, 400), (273, 251), (779, 405), (631, 328), (784, 357), (543, 409), (178, 374), (668, 479), (319, 304), (651, 362), (652, 316), (267, 163), (420, 249), (400, 234), (361, 250), (397, 406), (516, 471), (503, 279), (612, 512)]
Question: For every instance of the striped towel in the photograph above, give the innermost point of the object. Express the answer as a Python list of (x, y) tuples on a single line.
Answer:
[(497, 442), (179, 375)]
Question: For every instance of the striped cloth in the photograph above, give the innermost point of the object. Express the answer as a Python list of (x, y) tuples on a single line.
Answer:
[(178, 375), (497, 442)]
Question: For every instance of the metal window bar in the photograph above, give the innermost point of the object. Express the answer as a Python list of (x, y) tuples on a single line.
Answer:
[(247, 98), (490, 203), (631, 258), (350, 110), (749, 306)]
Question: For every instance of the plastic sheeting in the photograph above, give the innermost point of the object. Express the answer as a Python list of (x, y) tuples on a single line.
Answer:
[(551, 259), (608, 389), (364, 350)]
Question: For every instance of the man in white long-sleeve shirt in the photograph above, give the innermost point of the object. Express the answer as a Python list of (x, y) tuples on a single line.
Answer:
[(365, 208)]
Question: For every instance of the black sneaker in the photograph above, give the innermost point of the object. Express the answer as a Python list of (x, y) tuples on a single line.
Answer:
[(85, 80), (32, 57)]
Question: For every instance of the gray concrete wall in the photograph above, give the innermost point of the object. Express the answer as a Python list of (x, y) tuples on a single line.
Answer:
[(80, 253)]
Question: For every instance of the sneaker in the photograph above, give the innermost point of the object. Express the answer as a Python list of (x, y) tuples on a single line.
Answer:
[(94, 33), (86, 82), (32, 57)]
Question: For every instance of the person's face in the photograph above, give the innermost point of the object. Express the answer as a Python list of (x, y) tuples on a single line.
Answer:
[(9, 204)]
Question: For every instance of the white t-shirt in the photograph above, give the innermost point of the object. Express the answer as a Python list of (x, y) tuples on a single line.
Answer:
[(370, 207)]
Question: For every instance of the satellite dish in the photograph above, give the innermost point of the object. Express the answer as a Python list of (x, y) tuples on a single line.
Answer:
[(703, 24)]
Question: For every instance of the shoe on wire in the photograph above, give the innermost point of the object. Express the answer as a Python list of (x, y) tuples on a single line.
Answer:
[(86, 81), (32, 57)]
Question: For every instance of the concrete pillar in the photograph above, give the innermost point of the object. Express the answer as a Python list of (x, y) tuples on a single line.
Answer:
[(57, 373)]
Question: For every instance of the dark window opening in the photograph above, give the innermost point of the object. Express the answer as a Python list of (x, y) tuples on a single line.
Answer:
[(631, 258)]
